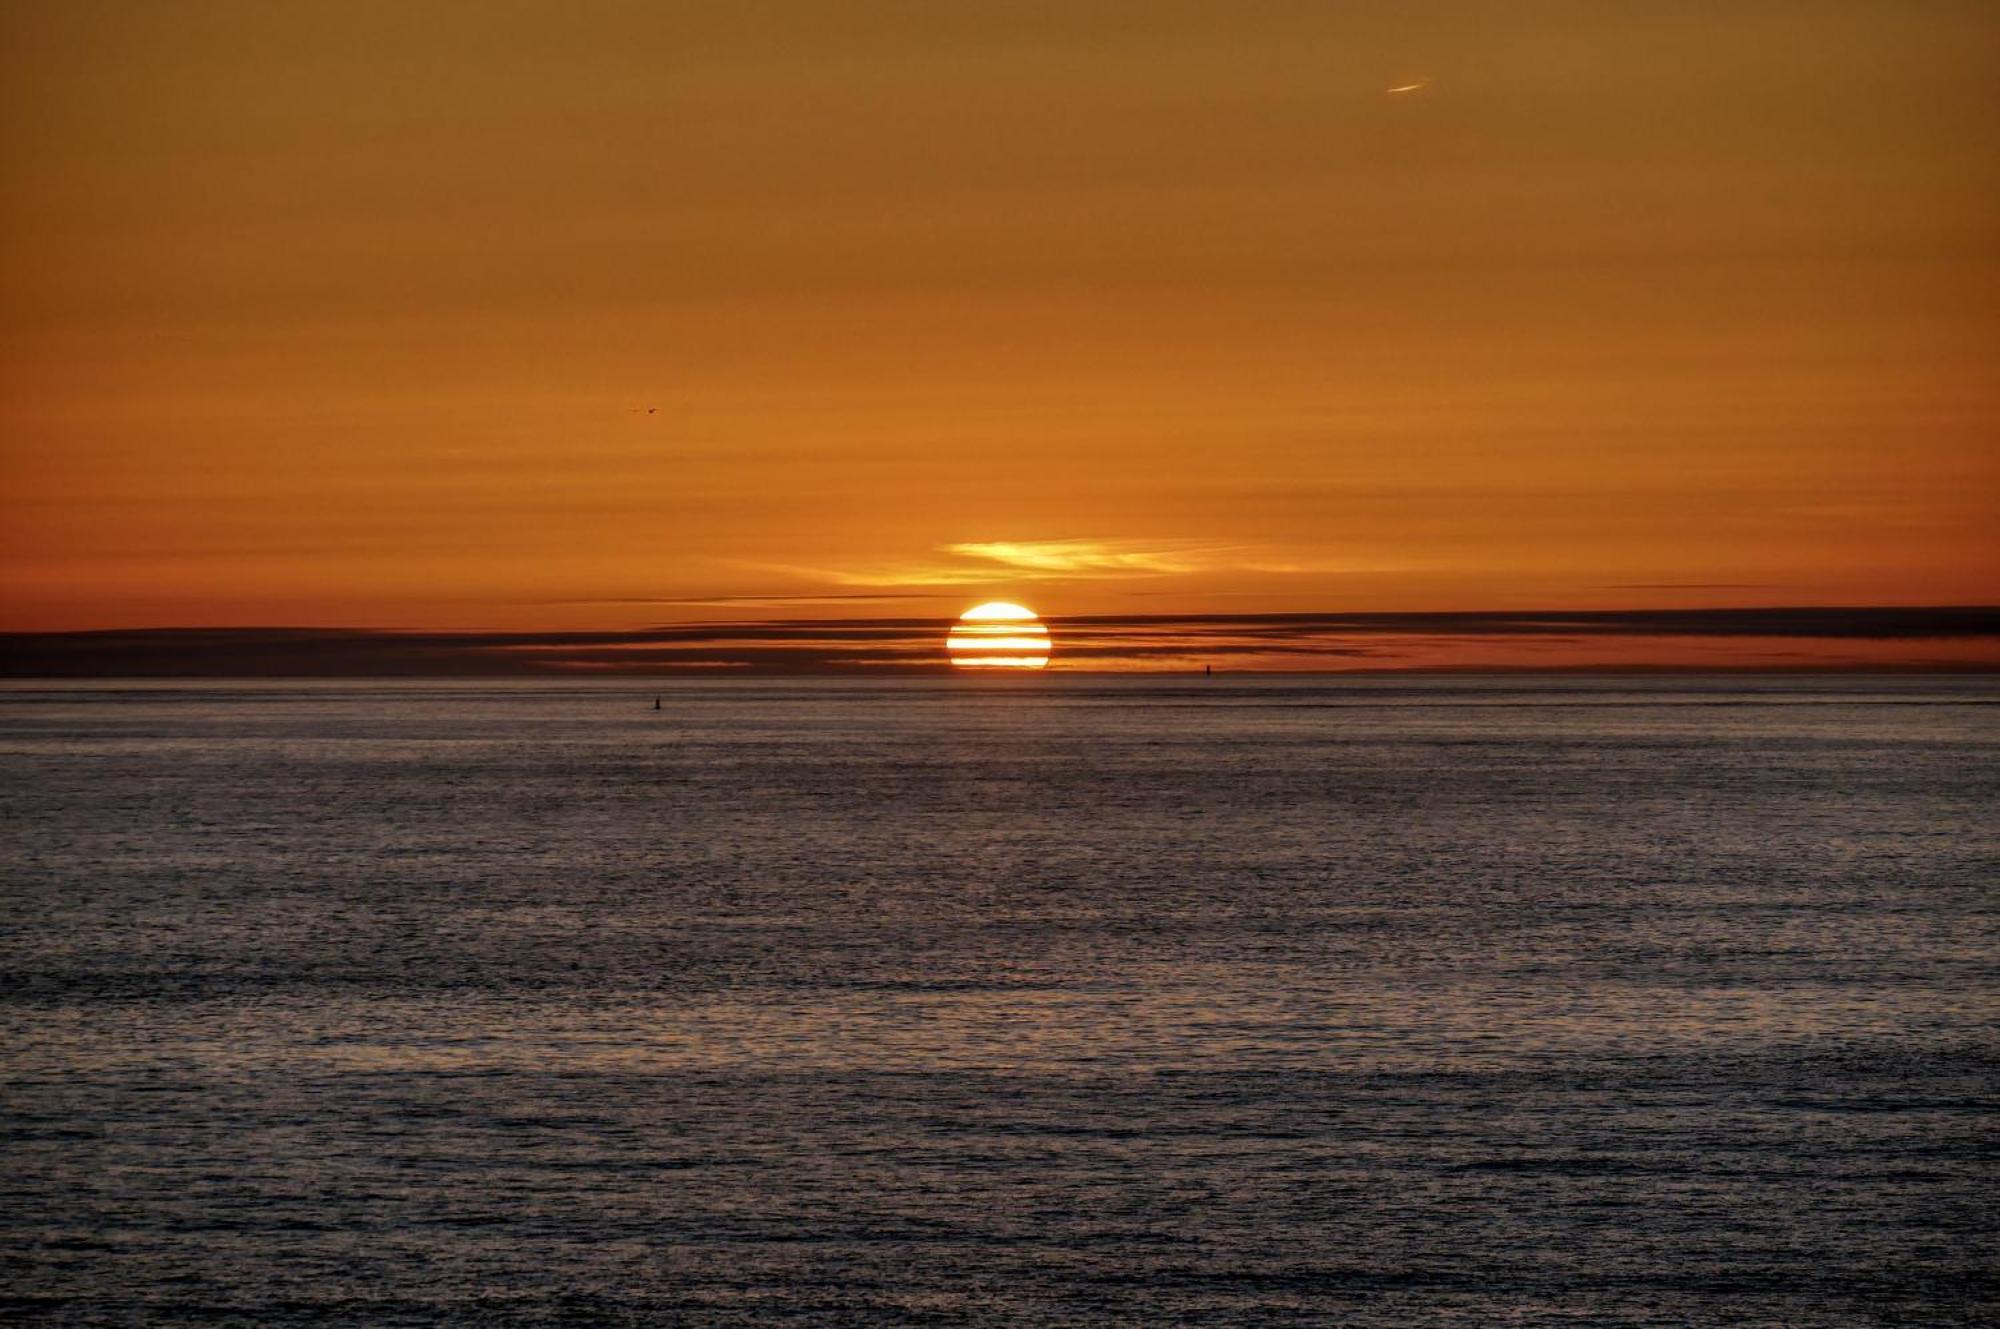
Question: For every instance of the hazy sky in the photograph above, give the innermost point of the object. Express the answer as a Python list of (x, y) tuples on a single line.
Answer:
[(510, 315)]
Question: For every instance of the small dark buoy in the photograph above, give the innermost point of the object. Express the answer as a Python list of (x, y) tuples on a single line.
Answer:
[(1208, 671), (656, 703)]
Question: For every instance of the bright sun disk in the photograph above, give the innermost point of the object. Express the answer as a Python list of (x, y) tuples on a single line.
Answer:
[(998, 635)]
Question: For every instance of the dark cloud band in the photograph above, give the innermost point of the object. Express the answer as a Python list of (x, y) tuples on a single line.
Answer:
[(916, 644)]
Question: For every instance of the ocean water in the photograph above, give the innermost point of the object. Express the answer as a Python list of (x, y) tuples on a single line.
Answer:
[(1061, 1001)]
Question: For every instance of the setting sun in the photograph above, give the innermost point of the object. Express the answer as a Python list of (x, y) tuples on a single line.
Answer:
[(998, 635), (487, 488)]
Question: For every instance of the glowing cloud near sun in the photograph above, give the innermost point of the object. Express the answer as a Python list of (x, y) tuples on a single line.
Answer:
[(998, 635)]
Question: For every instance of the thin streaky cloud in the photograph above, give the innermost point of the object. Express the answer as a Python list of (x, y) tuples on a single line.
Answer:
[(1104, 558), (996, 562), (857, 597)]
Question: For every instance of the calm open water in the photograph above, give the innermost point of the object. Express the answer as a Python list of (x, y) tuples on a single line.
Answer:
[(1057, 1001)]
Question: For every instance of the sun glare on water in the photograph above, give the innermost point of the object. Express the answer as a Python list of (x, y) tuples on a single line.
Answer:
[(998, 635)]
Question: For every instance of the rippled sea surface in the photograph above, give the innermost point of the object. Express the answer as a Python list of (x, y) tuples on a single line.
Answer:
[(1665, 1001)]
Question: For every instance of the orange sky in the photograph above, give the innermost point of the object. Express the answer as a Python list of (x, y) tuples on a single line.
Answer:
[(350, 313)]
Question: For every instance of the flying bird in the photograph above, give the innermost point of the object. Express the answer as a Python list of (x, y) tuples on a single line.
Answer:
[(1418, 86)]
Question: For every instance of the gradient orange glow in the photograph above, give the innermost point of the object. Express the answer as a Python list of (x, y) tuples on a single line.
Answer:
[(596, 316)]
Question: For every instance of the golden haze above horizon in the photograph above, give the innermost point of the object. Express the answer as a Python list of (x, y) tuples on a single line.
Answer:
[(450, 316)]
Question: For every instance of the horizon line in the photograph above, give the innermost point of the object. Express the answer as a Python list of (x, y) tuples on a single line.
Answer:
[(1846, 638)]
